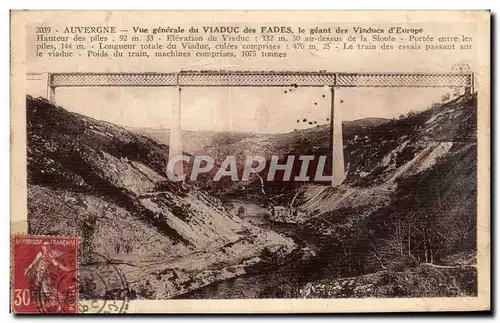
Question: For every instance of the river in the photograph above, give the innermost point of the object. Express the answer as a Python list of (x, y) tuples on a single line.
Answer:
[(283, 281)]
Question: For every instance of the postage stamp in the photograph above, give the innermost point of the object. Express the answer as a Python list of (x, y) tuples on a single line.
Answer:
[(44, 274)]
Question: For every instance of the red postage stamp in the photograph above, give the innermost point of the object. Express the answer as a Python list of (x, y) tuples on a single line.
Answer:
[(44, 274)]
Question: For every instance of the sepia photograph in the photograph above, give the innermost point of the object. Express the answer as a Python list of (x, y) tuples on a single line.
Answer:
[(250, 162), (253, 211)]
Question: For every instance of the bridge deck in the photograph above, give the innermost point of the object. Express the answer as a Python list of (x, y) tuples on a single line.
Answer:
[(262, 79)]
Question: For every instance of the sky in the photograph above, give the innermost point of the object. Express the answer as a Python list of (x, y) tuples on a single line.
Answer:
[(264, 110)]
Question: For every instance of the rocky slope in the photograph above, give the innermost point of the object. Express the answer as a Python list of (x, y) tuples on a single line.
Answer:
[(378, 158), (107, 185), (421, 281), (403, 217), (402, 221), (406, 213)]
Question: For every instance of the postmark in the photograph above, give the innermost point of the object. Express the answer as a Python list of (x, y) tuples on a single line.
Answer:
[(103, 287), (44, 274)]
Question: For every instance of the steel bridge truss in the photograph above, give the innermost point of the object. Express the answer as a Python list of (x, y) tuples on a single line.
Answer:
[(264, 79)]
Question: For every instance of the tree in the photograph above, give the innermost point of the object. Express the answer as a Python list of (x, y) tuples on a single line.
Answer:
[(399, 243), (445, 97)]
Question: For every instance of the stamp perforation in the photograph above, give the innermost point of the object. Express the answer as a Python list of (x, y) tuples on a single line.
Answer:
[(44, 259)]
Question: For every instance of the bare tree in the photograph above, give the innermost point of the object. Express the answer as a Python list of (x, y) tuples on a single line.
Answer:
[(399, 244), (445, 97)]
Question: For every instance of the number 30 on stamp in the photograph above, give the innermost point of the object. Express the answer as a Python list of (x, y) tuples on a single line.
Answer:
[(44, 274)]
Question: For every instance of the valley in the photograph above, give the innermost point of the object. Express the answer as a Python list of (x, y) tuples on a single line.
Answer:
[(403, 223)]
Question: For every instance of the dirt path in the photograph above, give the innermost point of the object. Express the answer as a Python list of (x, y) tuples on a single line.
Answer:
[(448, 267)]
